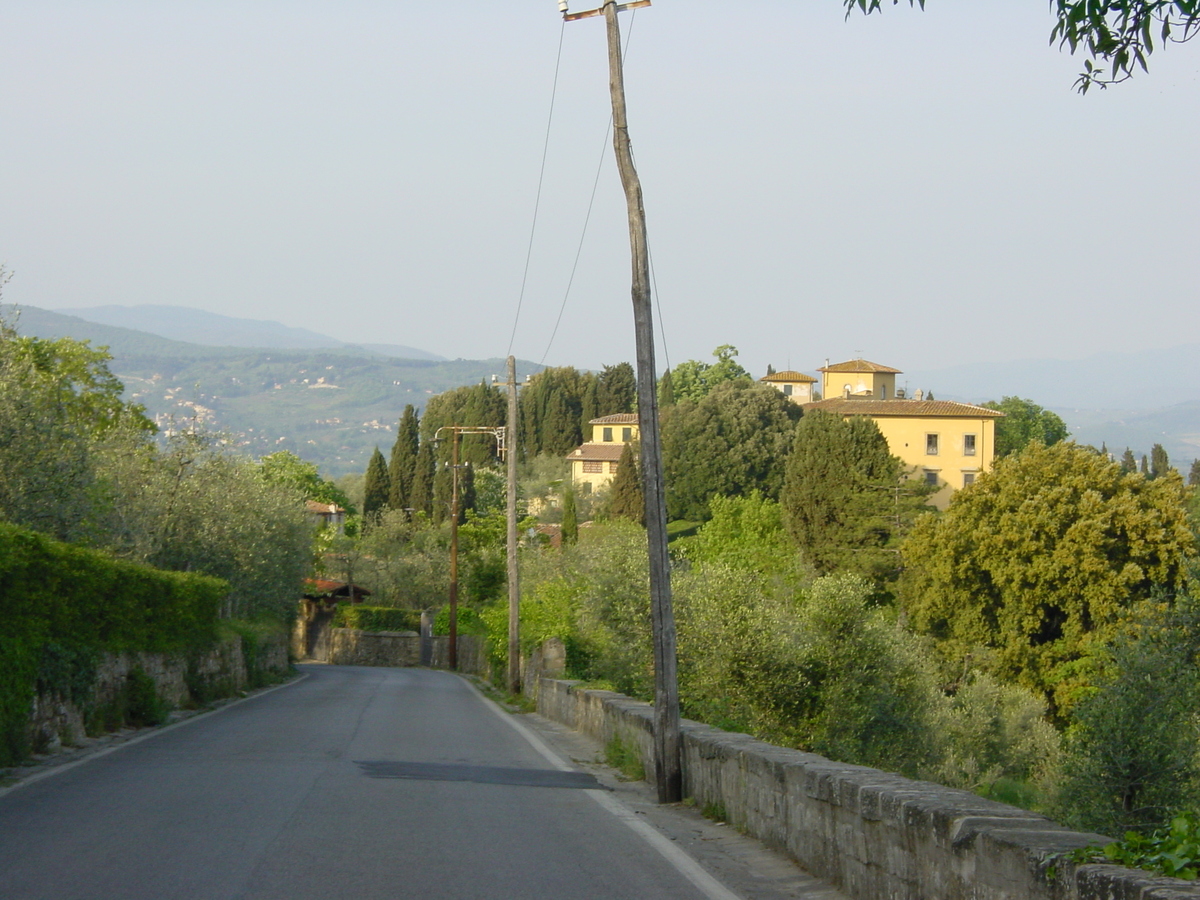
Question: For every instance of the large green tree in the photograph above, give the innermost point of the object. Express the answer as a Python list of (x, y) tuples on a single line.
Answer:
[(732, 441), (1041, 561), (1119, 34), (845, 497), (285, 468), (694, 379), (1024, 421)]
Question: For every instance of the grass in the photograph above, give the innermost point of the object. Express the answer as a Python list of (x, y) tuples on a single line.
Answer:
[(625, 759)]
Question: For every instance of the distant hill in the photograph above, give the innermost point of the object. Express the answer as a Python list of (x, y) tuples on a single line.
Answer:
[(1176, 427), (1146, 379), (331, 406), (196, 326)]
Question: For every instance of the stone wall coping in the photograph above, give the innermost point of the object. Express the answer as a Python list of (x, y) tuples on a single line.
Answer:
[(875, 834)]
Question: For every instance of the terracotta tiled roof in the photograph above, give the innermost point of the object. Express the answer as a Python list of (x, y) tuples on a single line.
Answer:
[(789, 375), (609, 450), (617, 419), (327, 509), (859, 365), (868, 407)]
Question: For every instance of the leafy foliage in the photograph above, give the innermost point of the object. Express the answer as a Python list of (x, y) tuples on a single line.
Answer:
[(285, 468), (80, 601), (694, 380), (1025, 422), (625, 498), (1041, 560), (1173, 851), (1121, 33), (1132, 759), (734, 440), (376, 618), (844, 498)]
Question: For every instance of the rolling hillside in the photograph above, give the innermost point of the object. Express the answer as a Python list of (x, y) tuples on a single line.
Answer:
[(331, 406)]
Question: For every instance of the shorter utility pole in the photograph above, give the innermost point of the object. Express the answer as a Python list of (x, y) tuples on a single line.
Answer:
[(456, 430)]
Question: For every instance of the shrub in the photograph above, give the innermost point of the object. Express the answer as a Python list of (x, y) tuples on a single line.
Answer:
[(376, 618)]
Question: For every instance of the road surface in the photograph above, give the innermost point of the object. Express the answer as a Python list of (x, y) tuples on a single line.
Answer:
[(354, 783)]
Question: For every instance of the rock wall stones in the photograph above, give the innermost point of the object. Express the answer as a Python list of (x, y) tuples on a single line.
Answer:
[(874, 834)]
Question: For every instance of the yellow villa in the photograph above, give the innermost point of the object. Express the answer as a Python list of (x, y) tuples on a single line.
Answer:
[(945, 442), (594, 464)]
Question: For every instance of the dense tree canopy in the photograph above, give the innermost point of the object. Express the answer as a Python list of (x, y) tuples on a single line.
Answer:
[(402, 464), (732, 441), (845, 496), (694, 380), (1024, 421), (1041, 560), (286, 468)]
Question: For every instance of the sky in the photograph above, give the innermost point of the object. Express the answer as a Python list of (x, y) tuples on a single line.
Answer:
[(924, 189)]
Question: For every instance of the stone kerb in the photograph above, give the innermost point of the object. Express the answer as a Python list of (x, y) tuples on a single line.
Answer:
[(873, 833)]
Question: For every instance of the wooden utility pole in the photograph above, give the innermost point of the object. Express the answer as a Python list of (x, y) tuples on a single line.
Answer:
[(668, 772), (514, 580), (454, 553), (456, 430)]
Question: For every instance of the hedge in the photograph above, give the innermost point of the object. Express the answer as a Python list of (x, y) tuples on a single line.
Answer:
[(64, 600), (376, 618)]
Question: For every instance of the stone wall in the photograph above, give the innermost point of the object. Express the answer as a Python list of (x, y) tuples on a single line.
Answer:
[(874, 834), (222, 671), (351, 647)]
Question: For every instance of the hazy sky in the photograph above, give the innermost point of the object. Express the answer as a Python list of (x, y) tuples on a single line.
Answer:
[(922, 188)]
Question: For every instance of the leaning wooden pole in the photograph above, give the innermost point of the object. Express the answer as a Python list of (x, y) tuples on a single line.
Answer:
[(668, 772), (514, 579)]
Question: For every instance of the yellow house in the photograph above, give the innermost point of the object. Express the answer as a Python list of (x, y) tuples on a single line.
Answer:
[(796, 386), (946, 443), (858, 378), (594, 464)]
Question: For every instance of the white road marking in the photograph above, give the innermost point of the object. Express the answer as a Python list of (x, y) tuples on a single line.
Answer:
[(149, 733), (684, 864)]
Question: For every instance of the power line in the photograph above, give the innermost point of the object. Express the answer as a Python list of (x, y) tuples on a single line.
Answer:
[(591, 203), (538, 200)]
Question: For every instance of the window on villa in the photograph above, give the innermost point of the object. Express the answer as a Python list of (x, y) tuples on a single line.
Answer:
[(968, 445), (627, 434), (787, 390), (883, 392), (931, 478), (607, 434), (593, 465), (968, 478), (612, 468), (931, 444)]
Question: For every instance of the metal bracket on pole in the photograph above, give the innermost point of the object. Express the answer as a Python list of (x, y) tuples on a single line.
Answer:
[(621, 7)]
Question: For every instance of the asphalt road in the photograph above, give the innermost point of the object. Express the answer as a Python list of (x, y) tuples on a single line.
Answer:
[(352, 783)]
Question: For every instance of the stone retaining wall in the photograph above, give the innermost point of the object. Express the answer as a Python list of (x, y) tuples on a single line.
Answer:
[(873, 834), (222, 671), (351, 647)]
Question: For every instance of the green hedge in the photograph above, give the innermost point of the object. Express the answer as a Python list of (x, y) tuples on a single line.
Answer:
[(64, 604), (376, 618)]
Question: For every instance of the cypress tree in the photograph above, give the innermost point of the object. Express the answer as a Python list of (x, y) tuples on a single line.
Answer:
[(420, 498), (1194, 474), (666, 390), (625, 500), (570, 522), (1128, 462), (403, 462), (375, 487), (617, 389), (838, 497), (1145, 467), (442, 489), (1160, 464), (591, 407), (466, 492)]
